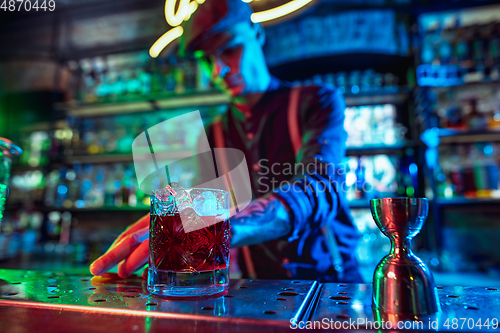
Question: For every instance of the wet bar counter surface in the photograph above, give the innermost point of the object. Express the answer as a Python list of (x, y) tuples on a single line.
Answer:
[(36, 301)]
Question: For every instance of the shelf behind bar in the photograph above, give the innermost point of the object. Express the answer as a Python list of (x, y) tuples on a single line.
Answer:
[(124, 157), (359, 203), (449, 136), (458, 201), (354, 151), (376, 98), (135, 105), (354, 204), (123, 106), (99, 209), (374, 150), (45, 126)]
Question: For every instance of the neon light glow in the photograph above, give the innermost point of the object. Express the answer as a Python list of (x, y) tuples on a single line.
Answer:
[(175, 18), (186, 8), (164, 40), (280, 11), (193, 6)]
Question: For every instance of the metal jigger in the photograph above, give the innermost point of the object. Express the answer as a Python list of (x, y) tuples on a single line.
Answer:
[(403, 286)]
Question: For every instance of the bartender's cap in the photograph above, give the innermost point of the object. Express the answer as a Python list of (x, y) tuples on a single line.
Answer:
[(212, 17)]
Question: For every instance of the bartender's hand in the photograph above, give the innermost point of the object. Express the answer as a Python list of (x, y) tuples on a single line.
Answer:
[(264, 219), (131, 247)]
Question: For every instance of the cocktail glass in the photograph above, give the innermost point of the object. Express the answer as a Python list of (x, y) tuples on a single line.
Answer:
[(189, 242)]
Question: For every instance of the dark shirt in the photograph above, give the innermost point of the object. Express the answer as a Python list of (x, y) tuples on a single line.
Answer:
[(311, 184)]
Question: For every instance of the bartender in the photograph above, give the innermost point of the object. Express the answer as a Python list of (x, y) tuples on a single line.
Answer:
[(299, 225)]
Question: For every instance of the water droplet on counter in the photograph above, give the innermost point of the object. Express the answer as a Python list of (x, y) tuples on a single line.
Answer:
[(288, 293)]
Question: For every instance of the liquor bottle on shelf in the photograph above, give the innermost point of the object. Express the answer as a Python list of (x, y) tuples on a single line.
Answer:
[(454, 118), (468, 176), (480, 176), (202, 80), (97, 196), (169, 73), (390, 82), (125, 191), (427, 53), (118, 175), (341, 80), (124, 143), (366, 81), (75, 90), (317, 79), (180, 80), (189, 70), (88, 81), (476, 120), (105, 88), (444, 47), (87, 183), (119, 86), (462, 48), (456, 174), (51, 189), (140, 196), (360, 178), (472, 170), (494, 45), (486, 35), (62, 190), (74, 186), (353, 82), (157, 79), (477, 48), (131, 184), (145, 79), (109, 199), (329, 79), (490, 166)]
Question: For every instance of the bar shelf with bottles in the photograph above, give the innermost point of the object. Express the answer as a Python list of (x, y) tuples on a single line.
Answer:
[(86, 162), (89, 164), (360, 88), (380, 161), (459, 59), (92, 164), (367, 87), (460, 47), (372, 99), (134, 82)]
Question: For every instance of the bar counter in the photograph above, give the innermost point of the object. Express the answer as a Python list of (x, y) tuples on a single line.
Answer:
[(36, 301)]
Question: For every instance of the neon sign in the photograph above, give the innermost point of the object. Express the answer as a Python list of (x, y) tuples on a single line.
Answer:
[(186, 8)]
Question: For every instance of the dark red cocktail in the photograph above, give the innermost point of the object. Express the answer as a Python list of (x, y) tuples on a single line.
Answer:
[(174, 249), (189, 242)]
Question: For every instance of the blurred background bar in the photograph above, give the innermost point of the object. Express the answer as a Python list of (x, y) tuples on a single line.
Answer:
[(421, 81)]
